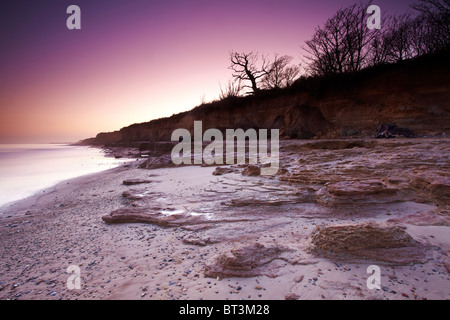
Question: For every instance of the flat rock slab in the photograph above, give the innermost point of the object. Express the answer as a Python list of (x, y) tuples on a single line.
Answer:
[(354, 191), (153, 215), (131, 182), (425, 219)]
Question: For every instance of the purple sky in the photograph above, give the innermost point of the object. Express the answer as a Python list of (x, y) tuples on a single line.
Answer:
[(134, 60)]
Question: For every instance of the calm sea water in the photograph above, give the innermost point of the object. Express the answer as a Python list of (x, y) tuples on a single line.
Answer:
[(28, 168)]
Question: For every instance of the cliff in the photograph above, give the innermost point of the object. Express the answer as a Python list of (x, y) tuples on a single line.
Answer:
[(414, 94)]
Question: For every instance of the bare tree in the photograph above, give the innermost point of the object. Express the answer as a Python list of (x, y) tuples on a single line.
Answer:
[(281, 73), (359, 37), (399, 38), (250, 67), (435, 14), (421, 36), (408, 36), (342, 44), (345, 44)]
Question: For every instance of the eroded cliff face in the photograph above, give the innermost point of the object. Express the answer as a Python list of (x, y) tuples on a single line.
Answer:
[(414, 95)]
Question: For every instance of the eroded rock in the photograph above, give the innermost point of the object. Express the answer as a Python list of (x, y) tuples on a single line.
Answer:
[(151, 216), (166, 218), (251, 170), (291, 296), (223, 170), (354, 191), (246, 261), (133, 195), (447, 262), (433, 186), (197, 240), (368, 240), (424, 219), (130, 182)]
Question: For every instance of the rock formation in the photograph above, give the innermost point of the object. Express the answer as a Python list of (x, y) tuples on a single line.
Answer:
[(248, 260), (251, 170), (351, 192), (223, 170), (368, 240), (130, 182)]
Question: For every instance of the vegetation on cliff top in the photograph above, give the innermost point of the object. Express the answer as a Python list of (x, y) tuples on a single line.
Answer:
[(342, 55)]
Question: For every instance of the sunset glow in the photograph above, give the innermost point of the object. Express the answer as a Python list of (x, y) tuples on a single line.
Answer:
[(134, 61)]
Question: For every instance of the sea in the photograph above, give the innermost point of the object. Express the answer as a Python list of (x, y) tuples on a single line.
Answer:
[(26, 169)]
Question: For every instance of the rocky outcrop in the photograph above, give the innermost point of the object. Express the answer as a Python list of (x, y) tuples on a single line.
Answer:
[(134, 195), (131, 182), (370, 241), (223, 170), (434, 186), (348, 238), (350, 192), (339, 144), (164, 218), (425, 219), (248, 260), (251, 171), (197, 240), (147, 215), (341, 174)]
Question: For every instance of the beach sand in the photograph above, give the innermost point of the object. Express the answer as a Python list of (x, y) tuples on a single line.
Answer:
[(269, 219)]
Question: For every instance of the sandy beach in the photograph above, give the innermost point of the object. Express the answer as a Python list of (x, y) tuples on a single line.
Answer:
[(214, 234)]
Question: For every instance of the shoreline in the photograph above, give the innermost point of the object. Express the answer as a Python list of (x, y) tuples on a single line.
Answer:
[(61, 186), (41, 236), (106, 153)]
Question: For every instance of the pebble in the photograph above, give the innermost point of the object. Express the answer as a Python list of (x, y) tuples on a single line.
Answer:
[(291, 296)]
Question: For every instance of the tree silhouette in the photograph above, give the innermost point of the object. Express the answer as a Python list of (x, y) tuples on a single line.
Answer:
[(398, 38), (342, 44), (250, 67), (281, 73), (435, 15)]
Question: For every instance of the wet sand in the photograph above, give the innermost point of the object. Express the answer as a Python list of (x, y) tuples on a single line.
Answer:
[(40, 237)]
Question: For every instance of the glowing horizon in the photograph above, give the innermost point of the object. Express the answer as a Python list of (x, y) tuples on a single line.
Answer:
[(135, 61)]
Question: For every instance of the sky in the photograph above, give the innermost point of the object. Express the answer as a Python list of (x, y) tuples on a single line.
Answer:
[(135, 60)]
